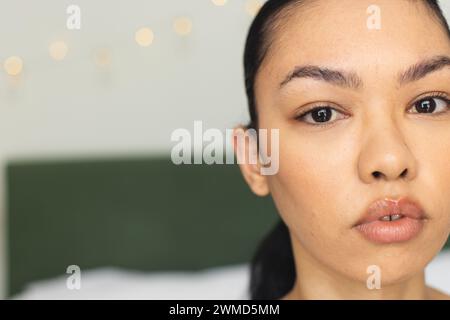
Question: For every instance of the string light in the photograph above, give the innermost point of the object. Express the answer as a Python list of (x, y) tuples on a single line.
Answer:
[(13, 65), (253, 6), (144, 37), (58, 50), (182, 26)]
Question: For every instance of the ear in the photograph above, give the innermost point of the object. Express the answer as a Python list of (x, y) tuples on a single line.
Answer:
[(251, 170)]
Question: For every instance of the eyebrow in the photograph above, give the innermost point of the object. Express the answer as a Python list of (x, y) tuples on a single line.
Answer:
[(353, 81), (336, 77), (423, 68)]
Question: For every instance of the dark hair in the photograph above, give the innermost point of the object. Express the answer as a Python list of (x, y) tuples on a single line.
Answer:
[(272, 270)]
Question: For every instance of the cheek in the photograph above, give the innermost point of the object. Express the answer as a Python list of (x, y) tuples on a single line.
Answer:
[(430, 144), (434, 181), (309, 185), (312, 198)]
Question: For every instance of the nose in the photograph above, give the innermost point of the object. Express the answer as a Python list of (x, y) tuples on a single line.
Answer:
[(385, 154)]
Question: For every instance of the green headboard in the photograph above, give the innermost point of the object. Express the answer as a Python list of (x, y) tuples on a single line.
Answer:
[(142, 214)]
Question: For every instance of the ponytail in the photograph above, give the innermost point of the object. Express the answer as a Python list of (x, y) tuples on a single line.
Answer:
[(272, 269)]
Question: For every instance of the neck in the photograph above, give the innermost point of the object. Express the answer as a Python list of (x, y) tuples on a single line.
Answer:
[(316, 281)]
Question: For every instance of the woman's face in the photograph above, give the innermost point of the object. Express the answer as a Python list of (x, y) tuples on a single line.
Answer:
[(326, 176)]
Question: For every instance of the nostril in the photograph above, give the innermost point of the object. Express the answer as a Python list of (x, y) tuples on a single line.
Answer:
[(376, 174), (404, 173)]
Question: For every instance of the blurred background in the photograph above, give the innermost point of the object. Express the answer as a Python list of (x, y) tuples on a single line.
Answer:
[(79, 105), (85, 126)]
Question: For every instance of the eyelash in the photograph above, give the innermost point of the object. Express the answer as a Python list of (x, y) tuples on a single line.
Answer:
[(433, 95)]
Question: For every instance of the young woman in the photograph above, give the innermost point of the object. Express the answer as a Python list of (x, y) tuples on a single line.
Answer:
[(359, 91)]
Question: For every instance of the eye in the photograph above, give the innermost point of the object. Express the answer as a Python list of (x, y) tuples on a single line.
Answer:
[(319, 116), (432, 104)]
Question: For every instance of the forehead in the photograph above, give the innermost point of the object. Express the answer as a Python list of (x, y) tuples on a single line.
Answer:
[(335, 33)]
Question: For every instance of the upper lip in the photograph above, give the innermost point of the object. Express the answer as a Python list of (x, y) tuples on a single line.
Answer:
[(388, 206)]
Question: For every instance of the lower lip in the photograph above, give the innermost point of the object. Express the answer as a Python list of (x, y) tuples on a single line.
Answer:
[(400, 230)]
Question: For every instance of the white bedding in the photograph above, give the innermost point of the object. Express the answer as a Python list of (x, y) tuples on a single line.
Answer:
[(217, 283)]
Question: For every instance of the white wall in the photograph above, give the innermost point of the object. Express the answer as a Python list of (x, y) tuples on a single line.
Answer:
[(135, 104)]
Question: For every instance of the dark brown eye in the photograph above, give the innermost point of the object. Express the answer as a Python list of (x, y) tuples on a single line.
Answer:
[(320, 116), (427, 105), (430, 105)]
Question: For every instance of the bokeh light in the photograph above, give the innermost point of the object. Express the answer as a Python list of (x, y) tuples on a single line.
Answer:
[(144, 37), (58, 50), (13, 65), (183, 26), (219, 2), (102, 57), (253, 6)]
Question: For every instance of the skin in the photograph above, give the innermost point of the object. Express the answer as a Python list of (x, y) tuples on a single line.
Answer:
[(325, 180)]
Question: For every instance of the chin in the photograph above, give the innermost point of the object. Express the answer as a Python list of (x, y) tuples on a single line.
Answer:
[(399, 263)]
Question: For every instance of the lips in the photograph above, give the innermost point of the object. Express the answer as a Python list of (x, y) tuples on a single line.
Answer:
[(389, 221)]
